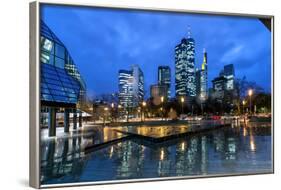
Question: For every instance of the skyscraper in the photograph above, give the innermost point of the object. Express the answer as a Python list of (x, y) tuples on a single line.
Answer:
[(223, 86), (125, 88), (198, 81), (164, 78), (219, 87), (185, 73), (229, 74), (131, 86), (138, 83), (204, 77)]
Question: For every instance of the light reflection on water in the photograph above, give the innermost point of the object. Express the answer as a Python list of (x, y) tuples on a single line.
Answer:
[(224, 151)]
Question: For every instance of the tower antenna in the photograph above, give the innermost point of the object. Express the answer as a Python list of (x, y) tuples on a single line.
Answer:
[(189, 32)]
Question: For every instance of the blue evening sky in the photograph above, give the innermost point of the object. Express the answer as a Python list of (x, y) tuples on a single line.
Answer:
[(102, 41)]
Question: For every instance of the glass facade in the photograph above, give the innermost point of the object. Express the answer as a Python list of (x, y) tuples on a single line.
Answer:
[(204, 78), (219, 87), (131, 86), (185, 71), (57, 85), (60, 78), (164, 78), (229, 74), (125, 88)]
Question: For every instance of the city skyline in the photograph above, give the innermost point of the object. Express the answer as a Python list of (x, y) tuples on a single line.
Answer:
[(237, 49)]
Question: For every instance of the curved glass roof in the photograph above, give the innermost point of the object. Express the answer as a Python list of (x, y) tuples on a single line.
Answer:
[(61, 81), (58, 86), (46, 32)]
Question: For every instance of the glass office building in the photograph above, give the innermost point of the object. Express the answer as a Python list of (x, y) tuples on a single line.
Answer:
[(164, 78), (62, 87), (229, 74), (204, 77), (131, 86), (125, 88), (185, 71)]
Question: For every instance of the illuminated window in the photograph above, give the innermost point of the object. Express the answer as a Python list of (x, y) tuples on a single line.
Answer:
[(47, 45)]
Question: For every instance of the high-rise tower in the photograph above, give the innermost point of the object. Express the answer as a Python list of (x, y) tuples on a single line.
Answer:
[(184, 62), (204, 77), (164, 78), (131, 86)]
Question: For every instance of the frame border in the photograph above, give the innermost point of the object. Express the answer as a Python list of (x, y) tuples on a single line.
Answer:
[(34, 91)]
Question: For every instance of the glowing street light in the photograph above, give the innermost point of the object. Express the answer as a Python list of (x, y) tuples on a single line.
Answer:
[(118, 112), (250, 93), (162, 101), (112, 105), (143, 106), (243, 103), (182, 101)]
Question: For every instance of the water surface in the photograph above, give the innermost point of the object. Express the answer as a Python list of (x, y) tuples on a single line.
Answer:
[(231, 150)]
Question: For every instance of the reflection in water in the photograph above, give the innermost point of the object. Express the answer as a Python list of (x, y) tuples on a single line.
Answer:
[(237, 149)]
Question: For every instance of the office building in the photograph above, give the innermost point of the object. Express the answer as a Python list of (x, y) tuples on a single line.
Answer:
[(164, 78), (198, 81), (229, 74), (157, 91), (61, 88), (219, 87), (224, 83), (204, 78), (125, 88), (185, 71), (131, 87)]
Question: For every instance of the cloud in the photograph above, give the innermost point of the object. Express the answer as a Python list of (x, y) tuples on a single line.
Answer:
[(102, 41), (232, 54)]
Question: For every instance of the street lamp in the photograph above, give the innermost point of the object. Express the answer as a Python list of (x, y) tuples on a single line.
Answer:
[(182, 101), (250, 93), (118, 111), (143, 106), (162, 101), (202, 98), (243, 103), (112, 111)]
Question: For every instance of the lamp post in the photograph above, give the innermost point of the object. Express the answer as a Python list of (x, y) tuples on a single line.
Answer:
[(105, 110), (202, 98), (243, 104), (118, 114), (182, 101), (143, 107), (112, 111), (162, 102), (250, 93)]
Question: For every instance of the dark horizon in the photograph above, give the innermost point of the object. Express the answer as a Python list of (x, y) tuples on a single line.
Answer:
[(103, 41)]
